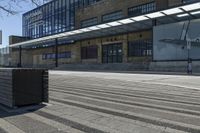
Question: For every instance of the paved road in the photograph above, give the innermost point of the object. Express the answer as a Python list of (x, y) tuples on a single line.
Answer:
[(96, 102)]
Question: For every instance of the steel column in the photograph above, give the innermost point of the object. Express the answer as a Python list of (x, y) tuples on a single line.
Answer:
[(20, 56), (56, 52)]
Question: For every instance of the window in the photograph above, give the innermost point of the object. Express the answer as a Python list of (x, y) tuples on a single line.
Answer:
[(89, 52), (65, 54), (188, 1), (85, 3), (140, 48), (112, 16), (142, 9), (47, 56), (89, 22)]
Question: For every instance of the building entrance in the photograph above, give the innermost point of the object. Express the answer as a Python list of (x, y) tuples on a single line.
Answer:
[(112, 53)]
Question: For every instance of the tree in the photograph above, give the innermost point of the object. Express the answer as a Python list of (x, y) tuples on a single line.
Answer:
[(12, 7)]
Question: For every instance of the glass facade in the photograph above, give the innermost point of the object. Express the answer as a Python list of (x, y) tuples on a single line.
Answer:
[(54, 17)]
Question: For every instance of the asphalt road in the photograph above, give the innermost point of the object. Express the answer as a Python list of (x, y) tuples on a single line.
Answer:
[(97, 102)]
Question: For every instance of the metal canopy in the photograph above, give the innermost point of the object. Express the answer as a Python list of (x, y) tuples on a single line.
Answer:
[(131, 24)]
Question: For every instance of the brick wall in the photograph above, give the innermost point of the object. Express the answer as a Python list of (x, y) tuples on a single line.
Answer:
[(109, 6)]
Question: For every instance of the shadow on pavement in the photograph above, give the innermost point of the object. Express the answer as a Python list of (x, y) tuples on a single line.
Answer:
[(8, 112)]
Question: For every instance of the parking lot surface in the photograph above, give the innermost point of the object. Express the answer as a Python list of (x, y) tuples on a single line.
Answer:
[(103, 102)]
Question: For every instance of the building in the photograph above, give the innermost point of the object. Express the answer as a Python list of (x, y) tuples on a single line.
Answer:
[(101, 32)]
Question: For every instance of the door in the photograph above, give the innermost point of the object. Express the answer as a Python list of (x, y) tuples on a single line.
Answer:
[(112, 53)]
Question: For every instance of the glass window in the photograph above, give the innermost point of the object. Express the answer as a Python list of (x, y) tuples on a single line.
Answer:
[(89, 52), (89, 22), (188, 1), (140, 48), (142, 9), (66, 54), (112, 16), (84, 3)]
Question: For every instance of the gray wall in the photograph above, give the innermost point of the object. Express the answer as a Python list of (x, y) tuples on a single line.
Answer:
[(167, 51)]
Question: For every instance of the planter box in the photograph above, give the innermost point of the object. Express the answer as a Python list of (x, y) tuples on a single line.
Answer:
[(20, 87)]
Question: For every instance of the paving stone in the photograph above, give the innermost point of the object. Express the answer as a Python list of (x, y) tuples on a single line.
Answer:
[(29, 125), (112, 92)]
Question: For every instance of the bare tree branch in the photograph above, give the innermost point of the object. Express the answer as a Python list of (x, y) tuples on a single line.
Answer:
[(12, 7), (9, 11), (36, 2)]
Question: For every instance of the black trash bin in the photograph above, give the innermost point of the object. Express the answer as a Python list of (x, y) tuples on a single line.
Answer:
[(21, 87)]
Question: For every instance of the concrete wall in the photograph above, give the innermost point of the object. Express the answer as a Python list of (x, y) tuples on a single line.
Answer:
[(169, 66), (174, 66), (171, 51)]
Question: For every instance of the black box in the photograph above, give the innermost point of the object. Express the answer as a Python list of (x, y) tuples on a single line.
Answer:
[(20, 87)]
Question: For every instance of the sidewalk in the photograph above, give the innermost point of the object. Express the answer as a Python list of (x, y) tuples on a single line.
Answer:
[(137, 72)]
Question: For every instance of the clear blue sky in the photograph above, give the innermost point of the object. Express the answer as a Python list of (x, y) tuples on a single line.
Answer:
[(12, 25)]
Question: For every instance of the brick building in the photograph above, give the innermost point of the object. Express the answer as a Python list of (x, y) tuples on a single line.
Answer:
[(114, 40)]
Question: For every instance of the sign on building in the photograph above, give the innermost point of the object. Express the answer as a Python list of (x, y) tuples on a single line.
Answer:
[(0, 37)]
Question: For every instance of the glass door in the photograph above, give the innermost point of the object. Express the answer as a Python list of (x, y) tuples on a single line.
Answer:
[(112, 53)]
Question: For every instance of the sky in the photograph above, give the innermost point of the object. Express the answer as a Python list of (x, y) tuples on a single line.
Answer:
[(12, 24)]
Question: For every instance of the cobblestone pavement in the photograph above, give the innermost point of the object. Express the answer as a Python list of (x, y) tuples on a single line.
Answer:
[(97, 102)]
